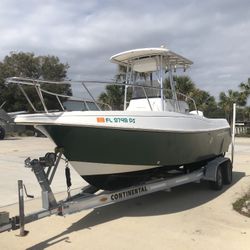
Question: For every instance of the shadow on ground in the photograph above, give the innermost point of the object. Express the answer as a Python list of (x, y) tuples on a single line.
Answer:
[(179, 199)]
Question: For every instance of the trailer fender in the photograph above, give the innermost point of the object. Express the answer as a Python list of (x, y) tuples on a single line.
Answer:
[(211, 167)]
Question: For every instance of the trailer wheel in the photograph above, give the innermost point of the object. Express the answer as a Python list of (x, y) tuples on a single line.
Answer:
[(218, 183), (227, 172), (2, 133)]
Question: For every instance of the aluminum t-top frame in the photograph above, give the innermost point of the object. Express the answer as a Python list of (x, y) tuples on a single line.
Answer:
[(151, 60)]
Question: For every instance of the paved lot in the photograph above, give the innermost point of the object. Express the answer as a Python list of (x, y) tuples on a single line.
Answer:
[(189, 217), (13, 152)]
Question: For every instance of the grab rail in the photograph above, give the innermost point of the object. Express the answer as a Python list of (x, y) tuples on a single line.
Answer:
[(37, 84)]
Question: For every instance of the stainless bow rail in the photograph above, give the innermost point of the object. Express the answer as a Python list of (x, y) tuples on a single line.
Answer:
[(40, 90)]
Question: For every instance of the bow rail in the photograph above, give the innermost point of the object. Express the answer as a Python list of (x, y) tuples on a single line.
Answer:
[(40, 90)]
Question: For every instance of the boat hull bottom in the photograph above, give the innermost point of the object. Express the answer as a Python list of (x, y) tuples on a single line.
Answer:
[(114, 181), (117, 181)]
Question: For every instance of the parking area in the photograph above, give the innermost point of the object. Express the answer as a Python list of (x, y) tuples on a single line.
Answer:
[(190, 217)]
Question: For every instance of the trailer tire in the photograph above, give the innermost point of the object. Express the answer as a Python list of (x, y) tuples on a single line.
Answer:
[(227, 172), (2, 133), (218, 183)]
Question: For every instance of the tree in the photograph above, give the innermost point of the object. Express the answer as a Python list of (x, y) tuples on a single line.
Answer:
[(226, 101), (245, 87), (121, 73), (246, 114), (183, 84), (114, 96), (37, 67), (203, 100)]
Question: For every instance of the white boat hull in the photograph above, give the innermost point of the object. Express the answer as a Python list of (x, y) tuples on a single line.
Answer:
[(101, 145)]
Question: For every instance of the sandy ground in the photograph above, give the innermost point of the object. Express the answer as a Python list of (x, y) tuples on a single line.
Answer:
[(190, 217)]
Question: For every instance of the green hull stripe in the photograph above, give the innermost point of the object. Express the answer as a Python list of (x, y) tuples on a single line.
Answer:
[(137, 147)]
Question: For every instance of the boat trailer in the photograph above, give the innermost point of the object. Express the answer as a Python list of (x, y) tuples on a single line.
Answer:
[(217, 171)]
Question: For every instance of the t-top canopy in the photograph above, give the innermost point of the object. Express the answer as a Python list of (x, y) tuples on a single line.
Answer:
[(147, 59)]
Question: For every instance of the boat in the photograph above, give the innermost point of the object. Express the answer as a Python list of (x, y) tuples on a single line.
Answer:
[(154, 134)]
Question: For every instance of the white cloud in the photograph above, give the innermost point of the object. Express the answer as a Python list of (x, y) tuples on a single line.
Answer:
[(214, 34)]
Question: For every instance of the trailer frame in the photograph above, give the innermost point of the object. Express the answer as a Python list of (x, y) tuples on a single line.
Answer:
[(90, 197)]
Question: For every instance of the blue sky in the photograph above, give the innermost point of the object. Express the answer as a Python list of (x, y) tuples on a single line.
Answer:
[(213, 34)]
